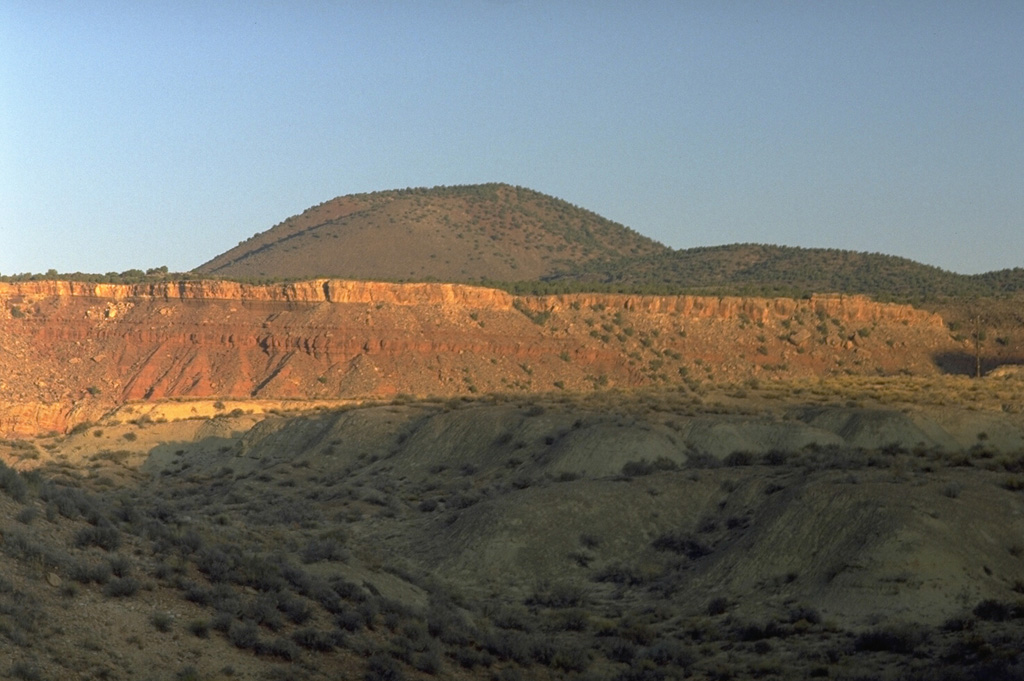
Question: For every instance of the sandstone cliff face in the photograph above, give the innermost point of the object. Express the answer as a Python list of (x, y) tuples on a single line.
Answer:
[(69, 350)]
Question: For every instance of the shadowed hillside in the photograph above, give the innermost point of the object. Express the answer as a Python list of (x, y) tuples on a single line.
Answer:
[(610, 537), (469, 233)]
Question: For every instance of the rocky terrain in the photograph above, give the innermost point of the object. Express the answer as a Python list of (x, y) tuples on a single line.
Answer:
[(70, 352)]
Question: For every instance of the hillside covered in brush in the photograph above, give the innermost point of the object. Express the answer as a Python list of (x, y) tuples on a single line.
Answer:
[(788, 271), (535, 243), (467, 233)]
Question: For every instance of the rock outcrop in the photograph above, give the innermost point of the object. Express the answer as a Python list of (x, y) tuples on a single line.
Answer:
[(69, 350)]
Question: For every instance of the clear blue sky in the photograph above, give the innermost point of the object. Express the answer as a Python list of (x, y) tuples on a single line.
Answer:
[(139, 134)]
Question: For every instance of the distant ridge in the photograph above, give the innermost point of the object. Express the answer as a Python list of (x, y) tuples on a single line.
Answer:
[(792, 272), (529, 242), (466, 233)]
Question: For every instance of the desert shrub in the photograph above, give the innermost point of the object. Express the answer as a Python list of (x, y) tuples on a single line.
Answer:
[(509, 645), (85, 573), (462, 501), (381, 667), (558, 595), (295, 609), (316, 640), (469, 657), (804, 613), (322, 593), (350, 620), (739, 458), (511, 617), (543, 650), (243, 635), (317, 550), (958, 624), (187, 673), (19, 544), (260, 572), (120, 565), (199, 628), (215, 562), (571, 658), (26, 671), (263, 611), (900, 640), (69, 502), (635, 469), (573, 619), (1014, 484), (621, 573), (752, 631), (107, 537), (303, 582), (952, 490), (12, 483), (222, 622), (121, 588), (681, 543), (699, 460), (718, 605), (992, 610), (618, 649), (664, 652), (26, 515), (427, 661), (161, 621), (282, 648), (196, 593), (447, 624), (188, 541)]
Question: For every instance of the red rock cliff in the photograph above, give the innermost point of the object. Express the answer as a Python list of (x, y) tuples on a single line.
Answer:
[(68, 349)]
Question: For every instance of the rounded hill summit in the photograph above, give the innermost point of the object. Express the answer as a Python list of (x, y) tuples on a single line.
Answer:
[(494, 232)]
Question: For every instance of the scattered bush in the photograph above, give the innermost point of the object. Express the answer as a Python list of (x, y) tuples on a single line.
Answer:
[(739, 459), (992, 610), (381, 667), (718, 605), (199, 628), (621, 573), (681, 543), (558, 595), (902, 641), (243, 635), (69, 502), (121, 566), (636, 469), (106, 538), (161, 621), (316, 640), (282, 648), (317, 550), (12, 483), (86, 573), (121, 588)]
